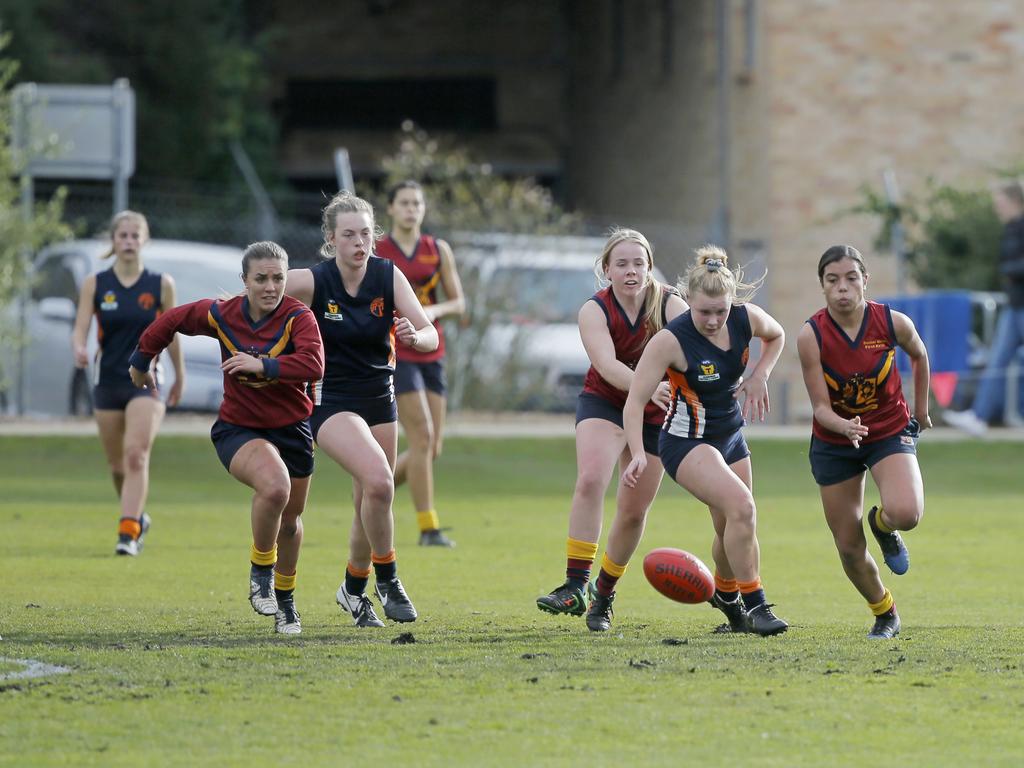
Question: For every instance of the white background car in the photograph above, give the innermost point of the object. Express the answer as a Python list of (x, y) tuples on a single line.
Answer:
[(520, 346), (52, 384)]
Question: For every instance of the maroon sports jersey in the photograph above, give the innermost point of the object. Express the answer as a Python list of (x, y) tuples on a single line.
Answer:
[(423, 270), (628, 339), (287, 340), (861, 374)]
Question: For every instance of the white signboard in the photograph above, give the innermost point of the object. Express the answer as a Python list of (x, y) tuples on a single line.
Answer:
[(75, 131)]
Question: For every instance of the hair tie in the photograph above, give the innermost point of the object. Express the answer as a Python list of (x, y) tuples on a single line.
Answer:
[(713, 265)]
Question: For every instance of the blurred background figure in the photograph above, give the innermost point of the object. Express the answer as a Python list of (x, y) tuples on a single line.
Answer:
[(990, 401), (125, 299), (421, 386)]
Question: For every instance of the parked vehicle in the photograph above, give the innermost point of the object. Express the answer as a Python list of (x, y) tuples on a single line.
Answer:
[(52, 384), (519, 346)]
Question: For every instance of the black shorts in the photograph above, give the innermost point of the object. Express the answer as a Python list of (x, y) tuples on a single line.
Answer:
[(832, 463), (294, 443), (413, 377), (673, 450), (380, 409), (115, 397), (591, 406)]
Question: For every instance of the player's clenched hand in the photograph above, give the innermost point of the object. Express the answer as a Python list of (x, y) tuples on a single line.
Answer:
[(142, 379), (240, 362), (662, 396), (81, 356), (405, 331), (631, 475)]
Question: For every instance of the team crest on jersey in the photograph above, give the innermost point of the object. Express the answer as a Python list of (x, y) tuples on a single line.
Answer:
[(332, 312), (146, 300), (708, 371), (860, 394), (377, 307), (109, 301)]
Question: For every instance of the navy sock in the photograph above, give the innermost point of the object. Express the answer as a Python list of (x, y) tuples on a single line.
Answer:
[(753, 599), (355, 585), (385, 571)]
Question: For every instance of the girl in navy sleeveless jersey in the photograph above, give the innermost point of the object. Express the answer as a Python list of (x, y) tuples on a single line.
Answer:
[(420, 385), (125, 299), (615, 324), (362, 305), (270, 347), (862, 423), (706, 351)]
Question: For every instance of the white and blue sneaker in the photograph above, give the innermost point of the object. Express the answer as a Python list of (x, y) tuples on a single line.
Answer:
[(894, 551)]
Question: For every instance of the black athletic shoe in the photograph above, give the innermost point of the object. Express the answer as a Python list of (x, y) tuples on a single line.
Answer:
[(734, 612), (397, 605), (565, 599), (599, 614), (761, 621), (886, 626), (894, 551), (435, 538)]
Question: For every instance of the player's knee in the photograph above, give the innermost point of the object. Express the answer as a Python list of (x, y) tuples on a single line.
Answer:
[(590, 484), (379, 490), (275, 491), (903, 517), (743, 510), (851, 551), (289, 526), (420, 437), (136, 458)]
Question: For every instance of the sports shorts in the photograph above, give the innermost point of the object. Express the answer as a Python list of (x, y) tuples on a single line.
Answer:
[(673, 450), (413, 377), (832, 463), (294, 443), (591, 406), (115, 397)]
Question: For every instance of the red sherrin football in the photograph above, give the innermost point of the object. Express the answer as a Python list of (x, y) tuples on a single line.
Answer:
[(679, 575)]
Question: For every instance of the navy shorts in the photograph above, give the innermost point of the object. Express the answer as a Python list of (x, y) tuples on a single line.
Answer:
[(115, 397), (413, 377), (832, 463), (673, 450), (591, 406), (380, 409), (294, 443)]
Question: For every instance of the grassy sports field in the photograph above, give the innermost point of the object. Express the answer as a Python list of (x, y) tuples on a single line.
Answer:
[(168, 665)]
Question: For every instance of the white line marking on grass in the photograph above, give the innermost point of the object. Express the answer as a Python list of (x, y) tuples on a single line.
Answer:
[(32, 668)]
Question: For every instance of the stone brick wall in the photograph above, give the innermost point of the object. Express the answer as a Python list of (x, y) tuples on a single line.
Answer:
[(925, 88)]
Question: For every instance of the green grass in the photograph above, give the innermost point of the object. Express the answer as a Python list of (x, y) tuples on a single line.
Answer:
[(169, 665)]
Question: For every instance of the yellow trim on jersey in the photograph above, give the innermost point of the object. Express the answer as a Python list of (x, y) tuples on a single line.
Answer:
[(286, 336), (220, 334)]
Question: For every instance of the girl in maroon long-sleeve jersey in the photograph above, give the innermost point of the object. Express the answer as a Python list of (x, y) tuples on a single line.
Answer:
[(270, 347)]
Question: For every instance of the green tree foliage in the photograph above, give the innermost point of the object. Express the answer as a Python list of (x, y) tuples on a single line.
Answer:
[(19, 235), (195, 66), (466, 195), (951, 235)]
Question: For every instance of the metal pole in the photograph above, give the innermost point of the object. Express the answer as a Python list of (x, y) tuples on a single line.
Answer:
[(27, 204), (896, 235), (118, 100), (343, 171), (724, 223), (267, 228)]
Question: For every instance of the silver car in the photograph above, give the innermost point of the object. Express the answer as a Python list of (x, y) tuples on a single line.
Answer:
[(52, 384)]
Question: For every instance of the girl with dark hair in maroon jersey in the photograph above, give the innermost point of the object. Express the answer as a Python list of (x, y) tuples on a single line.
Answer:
[(270, 347), (862, 423)]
